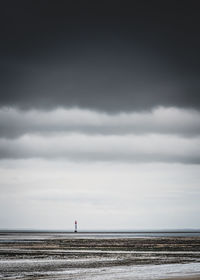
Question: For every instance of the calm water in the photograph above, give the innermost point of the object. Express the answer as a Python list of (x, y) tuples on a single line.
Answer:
[(17, 235)]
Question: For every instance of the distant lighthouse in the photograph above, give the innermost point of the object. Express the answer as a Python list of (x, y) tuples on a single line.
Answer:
[(75, 230)]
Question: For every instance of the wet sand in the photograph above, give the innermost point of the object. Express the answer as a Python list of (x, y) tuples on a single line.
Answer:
[(184, 278), (98, 256)]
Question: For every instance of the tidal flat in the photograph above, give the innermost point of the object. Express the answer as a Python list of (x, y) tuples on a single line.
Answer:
[(61, 255)]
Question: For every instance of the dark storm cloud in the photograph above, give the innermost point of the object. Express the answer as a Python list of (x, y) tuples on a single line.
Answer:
[(107, 55)]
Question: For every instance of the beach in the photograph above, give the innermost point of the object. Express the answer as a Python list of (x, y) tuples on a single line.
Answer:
[(185, 278), (60, 255)]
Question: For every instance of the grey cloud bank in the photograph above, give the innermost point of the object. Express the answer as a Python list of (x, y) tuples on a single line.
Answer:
[(104, 148), (161, 120), (160, 135)]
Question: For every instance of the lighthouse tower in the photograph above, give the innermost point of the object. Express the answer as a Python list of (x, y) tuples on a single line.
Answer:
[(75, 230)]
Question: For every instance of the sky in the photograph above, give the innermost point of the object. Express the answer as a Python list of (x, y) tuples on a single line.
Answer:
[(99, 115)]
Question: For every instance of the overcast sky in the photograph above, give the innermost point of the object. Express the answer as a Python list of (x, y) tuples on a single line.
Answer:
[(99, 115)]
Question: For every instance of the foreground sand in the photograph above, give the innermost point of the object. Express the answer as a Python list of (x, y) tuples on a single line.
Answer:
[(64, 256), (196, 277)]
